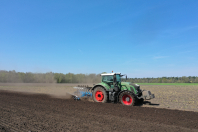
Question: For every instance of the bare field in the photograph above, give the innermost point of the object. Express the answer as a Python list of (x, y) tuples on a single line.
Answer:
[(21, 112), (170, 97), (174, 97), (53, 89)]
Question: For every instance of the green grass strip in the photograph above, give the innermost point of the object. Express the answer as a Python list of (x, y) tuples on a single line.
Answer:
[(183, 84)]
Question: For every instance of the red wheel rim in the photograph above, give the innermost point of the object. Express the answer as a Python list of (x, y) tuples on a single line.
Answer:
[(126, 99), (99, 96)]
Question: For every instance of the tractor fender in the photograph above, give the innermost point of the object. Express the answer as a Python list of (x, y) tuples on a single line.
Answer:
[(122, 92), (99, 86)]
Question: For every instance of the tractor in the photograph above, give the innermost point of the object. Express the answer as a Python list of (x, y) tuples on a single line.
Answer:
[(112, 89)]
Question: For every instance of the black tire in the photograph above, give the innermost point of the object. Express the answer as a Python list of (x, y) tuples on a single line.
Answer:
[(127, 98), (140, 101), (99, 95)]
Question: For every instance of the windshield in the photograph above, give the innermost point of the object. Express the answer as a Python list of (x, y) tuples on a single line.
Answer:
[(107, 78), (118, 77)]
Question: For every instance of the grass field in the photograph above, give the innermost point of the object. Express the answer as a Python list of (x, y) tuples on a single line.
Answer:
[(181, 84)]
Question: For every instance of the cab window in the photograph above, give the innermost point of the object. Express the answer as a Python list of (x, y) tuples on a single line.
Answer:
[(118, 78), (107, 78)]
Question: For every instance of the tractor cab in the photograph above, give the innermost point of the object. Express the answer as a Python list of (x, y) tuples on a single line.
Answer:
[(111, 77), (113, 80)]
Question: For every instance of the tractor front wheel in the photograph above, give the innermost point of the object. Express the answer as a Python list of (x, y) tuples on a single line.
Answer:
[(99, 95), (127, 98)]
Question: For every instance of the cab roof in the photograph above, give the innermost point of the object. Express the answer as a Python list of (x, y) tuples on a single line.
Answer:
[(108, 74)]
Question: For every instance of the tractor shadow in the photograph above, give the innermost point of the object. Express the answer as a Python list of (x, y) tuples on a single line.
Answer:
[(146, 103)]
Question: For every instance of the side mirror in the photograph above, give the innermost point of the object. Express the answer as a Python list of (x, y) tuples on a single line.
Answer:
[(126, 77)]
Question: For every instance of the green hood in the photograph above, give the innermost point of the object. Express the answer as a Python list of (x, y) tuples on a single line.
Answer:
[(133, 87), (131, 84)]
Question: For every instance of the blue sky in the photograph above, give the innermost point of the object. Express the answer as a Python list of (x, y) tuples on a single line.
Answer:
[(140, 38)]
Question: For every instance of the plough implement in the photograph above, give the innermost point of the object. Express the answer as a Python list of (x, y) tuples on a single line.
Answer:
[(82, 91)]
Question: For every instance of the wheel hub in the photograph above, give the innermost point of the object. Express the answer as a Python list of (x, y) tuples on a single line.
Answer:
[(127, 100)]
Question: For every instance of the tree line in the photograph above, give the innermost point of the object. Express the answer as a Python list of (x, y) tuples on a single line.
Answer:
[(183, 79), (28, 77)]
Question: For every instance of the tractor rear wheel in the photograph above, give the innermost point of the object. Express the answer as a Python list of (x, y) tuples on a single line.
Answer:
[(127, 98), (99, 95)]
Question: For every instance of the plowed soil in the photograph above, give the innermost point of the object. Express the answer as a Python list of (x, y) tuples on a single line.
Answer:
[(32, 112), (169, 97)]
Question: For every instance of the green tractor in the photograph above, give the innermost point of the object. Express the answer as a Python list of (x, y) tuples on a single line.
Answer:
[(112, 89)]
